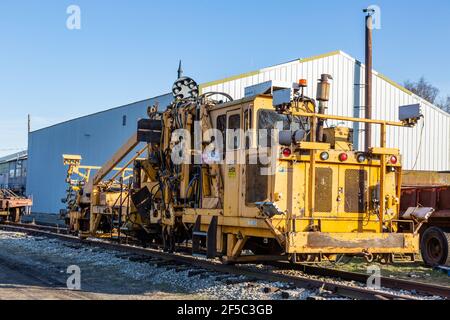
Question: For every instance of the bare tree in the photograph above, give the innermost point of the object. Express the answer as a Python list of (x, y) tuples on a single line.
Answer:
[(423, 89), (444, 104), (427, 91)]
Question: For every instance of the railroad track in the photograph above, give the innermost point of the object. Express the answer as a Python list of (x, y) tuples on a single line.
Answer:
[(329, 285), (391, 283)]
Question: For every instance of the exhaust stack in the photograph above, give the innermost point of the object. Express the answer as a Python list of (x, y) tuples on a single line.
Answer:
[(369, 66), (323, 96)]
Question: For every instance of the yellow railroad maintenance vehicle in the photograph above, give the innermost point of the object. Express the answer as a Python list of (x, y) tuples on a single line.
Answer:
[(264, 177)]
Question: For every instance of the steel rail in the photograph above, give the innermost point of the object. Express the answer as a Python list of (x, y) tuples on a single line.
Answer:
[(42, 227), (391, 283), (339, 289)]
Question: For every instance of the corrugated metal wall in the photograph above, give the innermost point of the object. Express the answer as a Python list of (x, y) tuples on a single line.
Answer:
[(425, 147), (95, 137)]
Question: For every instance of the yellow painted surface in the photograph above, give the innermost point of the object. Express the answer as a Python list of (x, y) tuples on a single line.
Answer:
[(387, 151), (298, 243), (314, 145), (288, 189)]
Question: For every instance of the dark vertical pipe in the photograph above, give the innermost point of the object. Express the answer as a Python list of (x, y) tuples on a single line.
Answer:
[(137, 176), (323, 96), (368, 87), (120, 209)]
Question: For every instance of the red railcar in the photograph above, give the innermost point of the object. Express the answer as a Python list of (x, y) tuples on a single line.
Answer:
[(13, 206), (430, 190)]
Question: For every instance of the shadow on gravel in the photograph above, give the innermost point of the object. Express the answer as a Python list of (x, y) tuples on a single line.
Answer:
[(26, 261)]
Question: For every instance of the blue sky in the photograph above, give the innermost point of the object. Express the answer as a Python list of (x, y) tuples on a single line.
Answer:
[(129, 50)]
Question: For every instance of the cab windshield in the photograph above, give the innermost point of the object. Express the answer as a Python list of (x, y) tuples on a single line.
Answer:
[(268, 120)]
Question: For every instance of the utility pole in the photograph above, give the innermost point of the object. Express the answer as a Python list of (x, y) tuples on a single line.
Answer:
[(369, 66), (29, 123)]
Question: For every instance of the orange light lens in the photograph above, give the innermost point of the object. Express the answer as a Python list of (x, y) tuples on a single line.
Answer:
[(303, 82)]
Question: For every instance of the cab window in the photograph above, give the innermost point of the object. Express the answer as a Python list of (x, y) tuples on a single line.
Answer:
[(268, 121), (234, 125), (248, 125)]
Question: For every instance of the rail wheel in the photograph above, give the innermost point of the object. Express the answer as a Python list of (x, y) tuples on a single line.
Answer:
[(385, 258), (435, 244), (303, 258)]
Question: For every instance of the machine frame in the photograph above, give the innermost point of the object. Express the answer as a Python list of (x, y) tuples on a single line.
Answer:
[(205, 204)]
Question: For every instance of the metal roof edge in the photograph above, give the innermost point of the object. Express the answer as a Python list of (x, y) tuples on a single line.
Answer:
[(239, 76), (392, 82), (431, 105), (321, 56), (252, 73), (380, 75), (15, 156), (99, 112), (402, 88)]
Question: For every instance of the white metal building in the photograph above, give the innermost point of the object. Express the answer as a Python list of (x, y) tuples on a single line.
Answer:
[(96, 137), (425, 147)]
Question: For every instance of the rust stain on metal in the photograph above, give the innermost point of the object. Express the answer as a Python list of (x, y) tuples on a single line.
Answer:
[(325, 241), (10, 200), (425, 178)]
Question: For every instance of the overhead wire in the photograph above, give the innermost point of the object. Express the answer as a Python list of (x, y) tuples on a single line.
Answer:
[(420, 145)]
